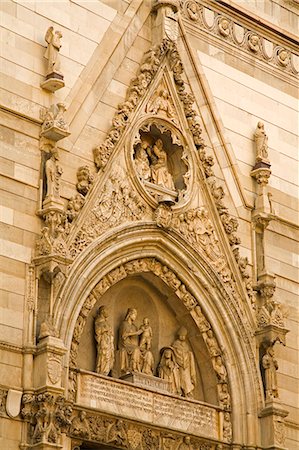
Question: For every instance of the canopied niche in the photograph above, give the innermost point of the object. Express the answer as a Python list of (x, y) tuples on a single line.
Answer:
[(160, 161)]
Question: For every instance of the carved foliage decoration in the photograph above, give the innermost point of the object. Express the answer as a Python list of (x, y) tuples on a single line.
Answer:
[(161, 104), (172, 280), (122, 433), (3, 396), (48, 416), (116, 204)]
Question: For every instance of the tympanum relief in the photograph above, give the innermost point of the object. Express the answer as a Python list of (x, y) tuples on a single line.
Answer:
[(161, 162), (177, 362), (128, 340)]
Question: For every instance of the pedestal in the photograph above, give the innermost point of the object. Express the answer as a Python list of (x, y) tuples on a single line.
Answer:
[(273, 426), (147, 382), (53, 82)]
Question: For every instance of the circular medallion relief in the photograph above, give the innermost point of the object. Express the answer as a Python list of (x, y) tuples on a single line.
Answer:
[(160, 163)]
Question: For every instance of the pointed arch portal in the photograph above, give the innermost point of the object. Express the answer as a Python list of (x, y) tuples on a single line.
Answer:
[(160, 275)]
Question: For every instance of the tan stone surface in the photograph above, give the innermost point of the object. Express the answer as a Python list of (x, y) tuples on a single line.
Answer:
[(103, 46)]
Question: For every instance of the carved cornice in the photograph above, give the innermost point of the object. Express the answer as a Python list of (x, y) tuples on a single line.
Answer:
[(230, 29)]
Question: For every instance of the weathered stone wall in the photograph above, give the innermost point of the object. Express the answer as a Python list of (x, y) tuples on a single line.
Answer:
[(102, 46)]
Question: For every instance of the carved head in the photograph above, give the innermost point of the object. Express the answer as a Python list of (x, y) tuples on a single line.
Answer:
[(131, 314), (182, 333), (102, 311)]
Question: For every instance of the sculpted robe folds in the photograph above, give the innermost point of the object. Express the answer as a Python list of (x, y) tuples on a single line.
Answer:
[(129, 349), (185, 360)]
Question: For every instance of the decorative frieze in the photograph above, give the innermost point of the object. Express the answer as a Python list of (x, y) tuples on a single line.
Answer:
[(127, 434), (238, 35)]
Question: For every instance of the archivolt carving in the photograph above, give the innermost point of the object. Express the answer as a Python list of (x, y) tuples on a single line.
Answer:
[(238, 35), (172, 280)]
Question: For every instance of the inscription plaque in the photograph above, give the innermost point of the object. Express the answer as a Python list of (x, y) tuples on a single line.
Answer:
[(121, 398)]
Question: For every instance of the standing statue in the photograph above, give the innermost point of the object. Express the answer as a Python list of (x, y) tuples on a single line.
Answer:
[(146, 335), (185, 360), (168, 370), (160, 173), (261, 143), (270, 367), (142, 162), (105, 346), (53, 174), (52, 53)]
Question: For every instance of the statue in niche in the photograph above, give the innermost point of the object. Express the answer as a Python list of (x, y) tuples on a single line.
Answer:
[(133, 357), (185, 360), (261, 142), (270, 367), (159, 170), (220, 370), (146, 335), (53, 174), (212, 344), (105, 346), (168, 369), (52, 53), (142, 162)]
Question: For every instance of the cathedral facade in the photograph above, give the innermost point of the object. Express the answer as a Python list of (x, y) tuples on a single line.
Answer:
[(149, 218)]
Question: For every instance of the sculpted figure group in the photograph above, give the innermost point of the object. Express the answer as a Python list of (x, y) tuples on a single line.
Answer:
[(151, 164), (177, 364)]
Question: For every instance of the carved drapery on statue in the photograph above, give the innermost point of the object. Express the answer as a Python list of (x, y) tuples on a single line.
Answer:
[(161, 161), (176, 364), (135, 354)]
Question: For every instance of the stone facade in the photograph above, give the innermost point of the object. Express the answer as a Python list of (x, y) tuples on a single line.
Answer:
[(149, 217)]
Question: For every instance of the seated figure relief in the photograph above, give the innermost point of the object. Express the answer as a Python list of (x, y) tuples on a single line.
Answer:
[(176, 365), (151, 164), (133, 357)]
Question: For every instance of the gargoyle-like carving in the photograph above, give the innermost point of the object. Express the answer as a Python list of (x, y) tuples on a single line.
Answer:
[(254, 43), (192, 10), (238, 35), (3, 396), (224, 25), (85, 180)]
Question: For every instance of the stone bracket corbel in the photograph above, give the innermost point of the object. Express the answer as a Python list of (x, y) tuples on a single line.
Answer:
[(273, 425), (49, 265), (270, 334)]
